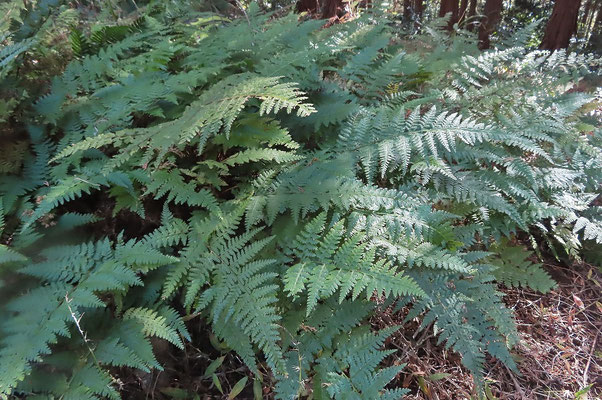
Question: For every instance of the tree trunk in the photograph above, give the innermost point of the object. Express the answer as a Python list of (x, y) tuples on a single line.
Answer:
[(333, 8), (595, 39), (449, 6), (462, 11), (562, 25), (598, 22), (310, 6), (472, 12), (587, 17), (407, 9), (491, 17), (418, 8), (597, 26), (586, 11)]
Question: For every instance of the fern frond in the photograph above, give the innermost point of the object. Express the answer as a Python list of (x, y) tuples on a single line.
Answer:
[(330, 263), (515, 270), (154, 325)]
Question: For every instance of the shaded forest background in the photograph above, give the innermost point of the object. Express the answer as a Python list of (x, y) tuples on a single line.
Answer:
[(580, 20)]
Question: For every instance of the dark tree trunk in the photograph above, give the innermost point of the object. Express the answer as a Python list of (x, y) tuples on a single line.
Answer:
[(462, 11), (418, 7), (586, 11), (333, 8), (407, 8), (562, 25), (598, 22), (589, 15), (449, 6), (491, 17), (472, 12), (595, 40), (310, 6)]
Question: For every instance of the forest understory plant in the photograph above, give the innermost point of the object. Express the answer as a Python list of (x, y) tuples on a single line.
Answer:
[(279, 181)]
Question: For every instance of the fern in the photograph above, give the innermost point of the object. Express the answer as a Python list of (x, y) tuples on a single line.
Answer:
[(327, 265), (179, 191), (244, 296), (513, 269), (75, 277), (153, 324), (346, 356), (361, 356), (277, 179)]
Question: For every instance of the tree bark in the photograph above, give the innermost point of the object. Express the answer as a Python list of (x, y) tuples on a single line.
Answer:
[(598, 21), (462, 11), (407, 9), (595, 39), (449, 6), (562, 25), (597, 27), (492, 15), (310, 6), (587, 17), (472, 12), (586, 11), (333, 8), (418, 8)]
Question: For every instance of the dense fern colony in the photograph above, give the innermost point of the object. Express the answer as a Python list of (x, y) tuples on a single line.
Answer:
[(280, 181)]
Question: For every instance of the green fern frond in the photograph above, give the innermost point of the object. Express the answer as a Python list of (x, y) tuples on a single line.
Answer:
[(154, 325), (326, 262), (514, 269), (361, 354)]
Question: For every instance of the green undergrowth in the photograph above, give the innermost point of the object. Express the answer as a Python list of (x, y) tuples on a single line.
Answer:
[(280, 181)]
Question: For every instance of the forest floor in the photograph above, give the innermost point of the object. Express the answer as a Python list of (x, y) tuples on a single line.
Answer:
[(559, 356)]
